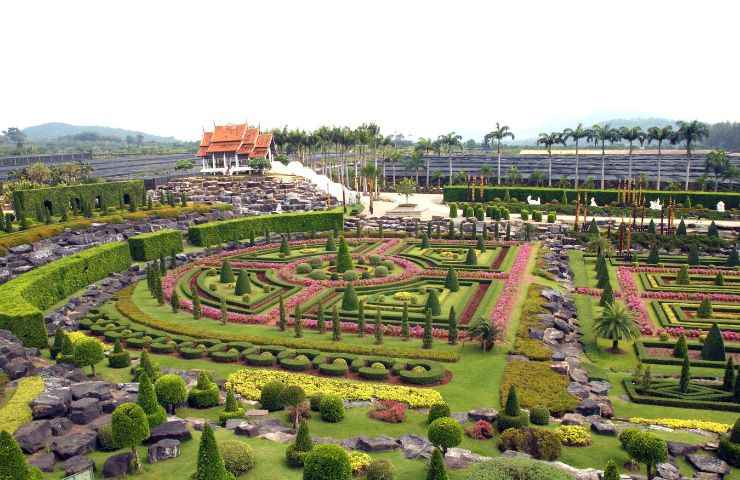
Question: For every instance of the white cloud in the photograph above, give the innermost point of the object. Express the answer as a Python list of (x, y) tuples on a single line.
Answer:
[(424, 68)]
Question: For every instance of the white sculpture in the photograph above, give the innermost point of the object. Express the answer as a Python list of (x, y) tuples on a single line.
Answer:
[(721, 206), (656, 205), (593, 202), (533, 202)]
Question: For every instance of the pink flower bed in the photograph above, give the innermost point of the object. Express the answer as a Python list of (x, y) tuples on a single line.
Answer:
[(719, 297), (631, 296), (505, 304)]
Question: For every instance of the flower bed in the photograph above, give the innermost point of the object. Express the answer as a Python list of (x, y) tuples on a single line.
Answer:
[(16, 412), (714, 427), (502, 310)]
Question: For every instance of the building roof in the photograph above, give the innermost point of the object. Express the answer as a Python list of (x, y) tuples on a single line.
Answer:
[(240, 139)]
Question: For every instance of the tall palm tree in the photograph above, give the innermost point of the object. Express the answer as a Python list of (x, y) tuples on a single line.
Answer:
[(394, 157), (450, 141), (498, 134), (718, 164), (660, 135), (415, 162), (616, 323), (577, 134), (486, 171), (630, 134), (548, 140), (600, 134), (691, 133)]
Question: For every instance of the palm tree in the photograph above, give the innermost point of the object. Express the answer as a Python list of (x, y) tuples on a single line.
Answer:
[(370, 174), (500, 133), (616, 323), (659, 135), (718, 164), (486, 171), (600, 134), (415, 163), (450, 141), (631, 134), (437, 176), (548, 140), (393, 158), (486, 333), (576, 134), (691, 133), (425, 145)]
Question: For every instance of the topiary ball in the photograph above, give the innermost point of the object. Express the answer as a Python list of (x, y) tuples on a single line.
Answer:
[(340, 361), (238, 457), (270, 396), (445, 433), (331, 409), (327, 462), (378, 366), (380, 470)]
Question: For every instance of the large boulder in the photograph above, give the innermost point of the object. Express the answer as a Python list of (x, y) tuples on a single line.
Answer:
[(78, 464), (414, 446), (604, 427), (588, 407), (679, 449), (709, 464), (487, 414), (60, 425), (97, 389), (44, 461), (163, 450), (51, 404), (33, 436), (176, 429), (376, 444), (74, 443), (668, 471), (117, 465), (84, 410)]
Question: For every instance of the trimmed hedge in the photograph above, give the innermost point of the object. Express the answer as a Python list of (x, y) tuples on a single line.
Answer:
[(151, 246), (213, 233), (111, 194), (708, 199), (677, 402), (27, 296)]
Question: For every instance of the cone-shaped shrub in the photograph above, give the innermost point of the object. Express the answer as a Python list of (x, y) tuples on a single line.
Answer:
[(512, 403), (296, 453), (12, 462), (681, 229), (424, 240), (405, 322), (433, 302), (284, 246), (147, 400), (320, 320), (693, 255), (297, 322), (224, 312), (733, 259), (610, 471), (683, 384), (681, 349), (231, 405), (719, 280), (361, 319), (470, 257), (378, 328), (56, 347), (705, 309), (175, 301), (682, 278), (427, 339), (349, 298), (713, 231), (451, 282), (653, 257), (714, 345), (481, 245), (436, 467), (344, 259), (607, 295), (452, 332), (243, 284), (197, 308), (210, 463), (331, 246), (227, 274), (336, 327), (593, 229), (147, 366), (728, 383), (651, 227), (283, 320), (453, 210)]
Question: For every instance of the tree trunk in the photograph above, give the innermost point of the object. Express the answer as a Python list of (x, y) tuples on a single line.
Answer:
[(615, 345), (603, 166), (449, 159), (498, 148), (659, 158), (549, 169), (688, 171), (426, 183), (577, 165)]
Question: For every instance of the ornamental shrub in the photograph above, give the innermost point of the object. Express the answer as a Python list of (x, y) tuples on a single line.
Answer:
[(106, 442), (728, 382), (653, 257), (284, 246), (480, 430), (539, 415), (351, 275), (427, 338), (438, 410), (344, 259), (681, 229), (432, 303), (119, 358), (610, 471), (292, 396), (714, 345), (705, 308), (445, 433), (315, 402), (171, 391), (56, 346), (683, 383), (147, 400), (232, 409), (297, 451), (436, 469), (452, 332), (515, 469), (336, 326), (733, 259), (471, 258), (327, 462), (237, 456), (243, 283), (12, 462), (729, 451), (682, 278), (147, 366), (204, 394), (607, 295), (645, 447), (573, 435), (303, 268), (381, 271), (713, 231), (524, 214), (210, 462), (451, 282), (378, 328), (227, 274), (130, 428), (539, 443), (330, 244), (681, 349), (271, 396), (424, 240), (88, 352), (453, 210), (719, 279), (349, 298), (318, 275), (380, 470), (331, 409), (693, 257)]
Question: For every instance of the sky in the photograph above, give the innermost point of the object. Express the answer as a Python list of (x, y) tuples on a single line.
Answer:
[(420, 68)]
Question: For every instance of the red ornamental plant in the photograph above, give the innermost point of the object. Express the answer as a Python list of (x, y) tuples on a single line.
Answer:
[(481, 430), (389, 411), (502, 310)]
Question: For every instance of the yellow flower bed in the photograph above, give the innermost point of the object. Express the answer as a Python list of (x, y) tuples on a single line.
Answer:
[(16, 411), (403, 296), (359, 461), (573, 435), (77, 336), (715, 427), (248, 382)]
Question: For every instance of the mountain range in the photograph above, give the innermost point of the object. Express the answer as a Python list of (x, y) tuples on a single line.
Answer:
[(56, 130)]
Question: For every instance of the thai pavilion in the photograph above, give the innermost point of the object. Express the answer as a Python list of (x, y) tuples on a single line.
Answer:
[(228, 149)]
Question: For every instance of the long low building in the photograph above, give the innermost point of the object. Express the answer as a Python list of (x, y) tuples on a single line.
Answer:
[(231, 149)]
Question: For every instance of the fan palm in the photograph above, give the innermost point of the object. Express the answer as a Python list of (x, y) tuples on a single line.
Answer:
[(548, 140), (600, 134), (630, 134), (691, 133), (616, 323), (498, 134), (450, 141), (577, 134), (660, 135), (486, 333)]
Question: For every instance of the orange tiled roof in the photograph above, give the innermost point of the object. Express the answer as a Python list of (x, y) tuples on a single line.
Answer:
[(203, 147), (238, 139)]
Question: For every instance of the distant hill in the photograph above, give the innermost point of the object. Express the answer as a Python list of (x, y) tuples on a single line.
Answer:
[(56, 130), (643, 123)]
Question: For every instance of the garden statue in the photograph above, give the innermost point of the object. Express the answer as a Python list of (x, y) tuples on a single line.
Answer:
[(656, 205), (593, 202), (533, 202), (721, 206)]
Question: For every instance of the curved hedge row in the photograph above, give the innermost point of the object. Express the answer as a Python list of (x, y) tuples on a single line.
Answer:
[(151, 246), (213, 233), (26, 297), (708, 199)]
